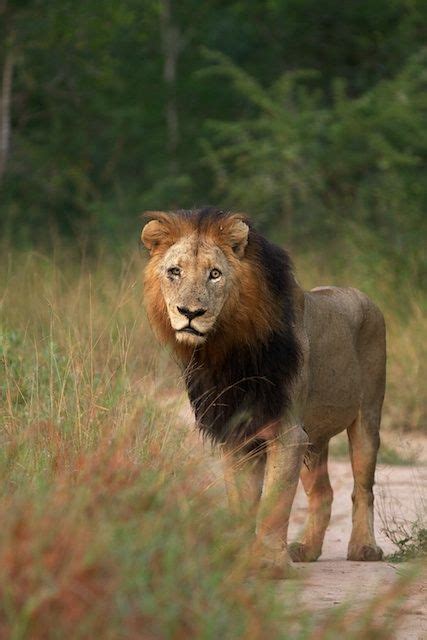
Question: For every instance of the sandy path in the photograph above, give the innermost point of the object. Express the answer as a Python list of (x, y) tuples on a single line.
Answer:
[(332, 580)]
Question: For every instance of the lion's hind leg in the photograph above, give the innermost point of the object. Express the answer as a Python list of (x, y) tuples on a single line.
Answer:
[(364, 442), (364, 435), (315, 479)]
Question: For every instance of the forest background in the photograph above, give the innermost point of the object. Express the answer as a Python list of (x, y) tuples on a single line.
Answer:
[(308, 115)]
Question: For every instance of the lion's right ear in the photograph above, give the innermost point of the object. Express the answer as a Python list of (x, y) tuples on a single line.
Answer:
[(156, 232)]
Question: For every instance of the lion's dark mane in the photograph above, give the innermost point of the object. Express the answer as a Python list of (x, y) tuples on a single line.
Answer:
[(251, 386)]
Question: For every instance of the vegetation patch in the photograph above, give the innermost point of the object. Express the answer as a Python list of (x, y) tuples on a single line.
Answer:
[(112, 523)]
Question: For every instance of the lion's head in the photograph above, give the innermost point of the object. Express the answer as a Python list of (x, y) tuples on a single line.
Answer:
[(195, 264), (201, 279)]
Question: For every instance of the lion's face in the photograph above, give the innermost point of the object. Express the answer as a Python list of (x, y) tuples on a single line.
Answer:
[(196, 272), (195, 280)]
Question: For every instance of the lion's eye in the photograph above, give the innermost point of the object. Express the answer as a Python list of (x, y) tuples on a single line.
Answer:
[(174, 271), (215, 274)]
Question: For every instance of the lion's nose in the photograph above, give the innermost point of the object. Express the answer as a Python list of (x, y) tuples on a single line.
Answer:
[(191, 314)]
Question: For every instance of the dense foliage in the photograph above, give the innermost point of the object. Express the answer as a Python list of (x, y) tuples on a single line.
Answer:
[(305, 113)]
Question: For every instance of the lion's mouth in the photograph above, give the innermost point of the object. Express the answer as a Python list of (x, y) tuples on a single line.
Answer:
[(192, 330)]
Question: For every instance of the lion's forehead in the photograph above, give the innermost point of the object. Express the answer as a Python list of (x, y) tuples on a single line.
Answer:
[(195, 253)]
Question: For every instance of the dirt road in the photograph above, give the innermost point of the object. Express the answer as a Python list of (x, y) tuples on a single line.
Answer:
[(333, 580)]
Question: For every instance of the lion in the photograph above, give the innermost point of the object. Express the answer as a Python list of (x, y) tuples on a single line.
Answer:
[(272, 373)]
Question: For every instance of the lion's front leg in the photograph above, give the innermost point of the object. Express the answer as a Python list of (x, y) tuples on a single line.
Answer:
[(285, 454), (244, 476)]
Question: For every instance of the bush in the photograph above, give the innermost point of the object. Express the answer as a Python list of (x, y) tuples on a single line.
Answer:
[(320, 171)]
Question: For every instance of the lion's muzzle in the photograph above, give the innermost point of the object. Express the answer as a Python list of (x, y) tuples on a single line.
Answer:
[(191, 314)]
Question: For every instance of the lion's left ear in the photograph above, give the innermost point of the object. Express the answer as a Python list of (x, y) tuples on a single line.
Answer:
[(237, 234)]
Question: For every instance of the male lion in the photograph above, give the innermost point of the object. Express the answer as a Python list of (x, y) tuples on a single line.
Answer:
[(272, 372)]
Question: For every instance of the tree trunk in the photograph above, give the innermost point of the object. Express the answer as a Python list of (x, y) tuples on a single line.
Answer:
[(170, 38), (5, 111)]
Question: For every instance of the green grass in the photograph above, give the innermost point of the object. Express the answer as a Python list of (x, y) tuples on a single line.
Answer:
[(408, 536), (411, 544), (112, 525)]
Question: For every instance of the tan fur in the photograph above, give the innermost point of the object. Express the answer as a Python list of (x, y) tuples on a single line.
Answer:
[(340, 385)]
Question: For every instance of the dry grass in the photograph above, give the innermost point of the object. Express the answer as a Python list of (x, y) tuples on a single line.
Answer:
[(110, 528), (408, 536)]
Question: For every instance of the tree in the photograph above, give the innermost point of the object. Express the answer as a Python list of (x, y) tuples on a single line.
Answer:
[(6, 86)]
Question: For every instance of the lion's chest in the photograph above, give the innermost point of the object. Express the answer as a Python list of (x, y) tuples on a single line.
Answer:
[(251, 389)]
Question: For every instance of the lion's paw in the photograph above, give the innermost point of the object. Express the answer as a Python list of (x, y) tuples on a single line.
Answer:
[(364, 552), (301, 552), (273, 564)]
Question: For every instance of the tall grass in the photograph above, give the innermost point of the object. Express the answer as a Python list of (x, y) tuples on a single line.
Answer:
[(112, 525)]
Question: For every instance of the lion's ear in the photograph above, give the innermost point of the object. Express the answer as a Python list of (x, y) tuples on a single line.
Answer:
[(156, 232), (237, 236)]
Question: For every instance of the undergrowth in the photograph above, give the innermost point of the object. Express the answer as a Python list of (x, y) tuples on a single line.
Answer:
[(411, 542), (409, 536)]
